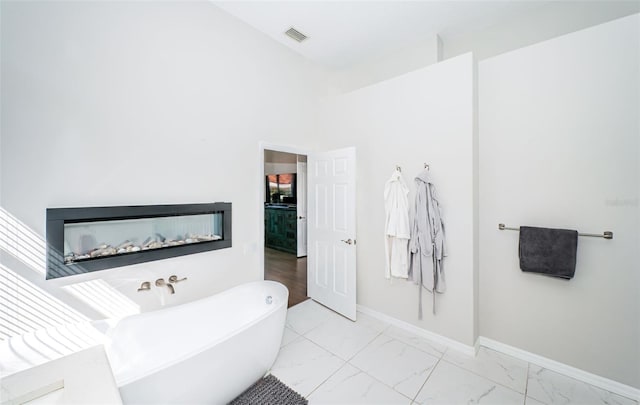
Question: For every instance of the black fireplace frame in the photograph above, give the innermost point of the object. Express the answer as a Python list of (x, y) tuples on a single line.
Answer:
[(57, 217)]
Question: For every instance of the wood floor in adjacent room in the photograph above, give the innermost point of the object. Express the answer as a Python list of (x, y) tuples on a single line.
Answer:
[(287, 269)]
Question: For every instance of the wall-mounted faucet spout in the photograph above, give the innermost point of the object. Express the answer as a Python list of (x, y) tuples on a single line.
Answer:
[(161, 283)]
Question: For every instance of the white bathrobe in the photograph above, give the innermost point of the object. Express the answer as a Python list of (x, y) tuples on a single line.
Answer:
[(397, 227)]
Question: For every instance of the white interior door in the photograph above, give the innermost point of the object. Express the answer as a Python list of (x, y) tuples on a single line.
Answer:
[(331, 260), (301, 206)]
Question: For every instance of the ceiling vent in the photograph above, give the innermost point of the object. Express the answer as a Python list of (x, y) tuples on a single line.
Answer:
[(295, 34)]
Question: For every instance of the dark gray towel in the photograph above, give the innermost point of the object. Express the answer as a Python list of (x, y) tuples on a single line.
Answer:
[(548, 251)]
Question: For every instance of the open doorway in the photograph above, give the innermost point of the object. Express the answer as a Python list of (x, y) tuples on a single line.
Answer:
[(285, 221)]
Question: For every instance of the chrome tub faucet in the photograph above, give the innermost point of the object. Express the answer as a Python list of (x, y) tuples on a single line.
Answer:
[(146, 285)]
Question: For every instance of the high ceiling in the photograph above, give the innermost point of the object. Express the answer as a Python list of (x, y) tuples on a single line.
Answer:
[(345, 33)]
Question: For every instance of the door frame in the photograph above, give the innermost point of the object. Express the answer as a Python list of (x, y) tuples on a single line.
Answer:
[(262, 146)]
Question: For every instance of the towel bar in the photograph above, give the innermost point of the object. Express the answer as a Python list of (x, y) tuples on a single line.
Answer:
[(605, 234)]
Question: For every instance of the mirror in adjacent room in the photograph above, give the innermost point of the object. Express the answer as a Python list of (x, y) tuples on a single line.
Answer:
[(281, 188)]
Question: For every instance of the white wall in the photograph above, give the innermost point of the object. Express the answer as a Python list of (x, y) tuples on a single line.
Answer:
[(559, 147), (549, 19), (422, 116), (124, 103), (545, 20), (414, 55), (280, 168)]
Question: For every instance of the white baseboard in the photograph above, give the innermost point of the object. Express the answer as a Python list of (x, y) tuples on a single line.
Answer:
[(443, 340), (569, 371)]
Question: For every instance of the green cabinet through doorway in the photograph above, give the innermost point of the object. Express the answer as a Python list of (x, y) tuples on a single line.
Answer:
[(280, 228)]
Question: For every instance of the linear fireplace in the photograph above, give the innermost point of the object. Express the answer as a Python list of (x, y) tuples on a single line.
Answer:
[(81, 240)]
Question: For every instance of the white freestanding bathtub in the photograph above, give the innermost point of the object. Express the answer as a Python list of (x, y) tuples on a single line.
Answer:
[(204, 352)]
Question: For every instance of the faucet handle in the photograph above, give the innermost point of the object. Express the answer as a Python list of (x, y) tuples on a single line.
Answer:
[(145, 286), (175, 279)]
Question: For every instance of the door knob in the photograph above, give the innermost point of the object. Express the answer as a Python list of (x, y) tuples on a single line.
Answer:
[(349, 241), (301, 217)]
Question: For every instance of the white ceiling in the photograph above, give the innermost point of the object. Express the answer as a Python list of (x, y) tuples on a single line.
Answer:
[(345, 33)]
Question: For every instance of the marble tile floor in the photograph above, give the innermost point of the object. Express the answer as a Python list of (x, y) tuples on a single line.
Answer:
[(331, 360)]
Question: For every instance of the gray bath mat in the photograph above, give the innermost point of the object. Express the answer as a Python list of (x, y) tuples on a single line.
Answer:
[(269, 391)]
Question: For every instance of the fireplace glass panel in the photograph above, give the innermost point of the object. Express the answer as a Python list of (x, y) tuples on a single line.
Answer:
[(84, 241)]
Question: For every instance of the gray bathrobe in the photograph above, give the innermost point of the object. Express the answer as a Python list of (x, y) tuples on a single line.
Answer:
[(427, 243)]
